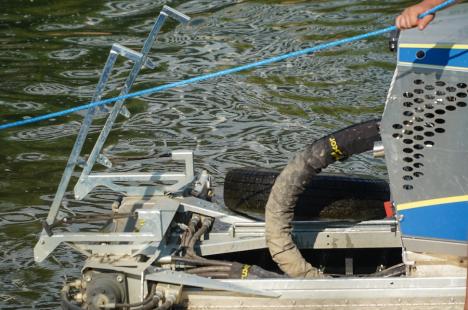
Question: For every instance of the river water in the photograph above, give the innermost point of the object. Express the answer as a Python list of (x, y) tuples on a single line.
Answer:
[(51, 54)]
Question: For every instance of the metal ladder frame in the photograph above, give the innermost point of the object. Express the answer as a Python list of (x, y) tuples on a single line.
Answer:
[(88, 181)]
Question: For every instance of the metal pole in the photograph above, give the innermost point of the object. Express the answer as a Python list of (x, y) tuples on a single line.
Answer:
[(118, 105), (80, 140)]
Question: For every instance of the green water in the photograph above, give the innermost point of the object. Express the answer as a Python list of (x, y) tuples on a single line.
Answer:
[(51, 53)]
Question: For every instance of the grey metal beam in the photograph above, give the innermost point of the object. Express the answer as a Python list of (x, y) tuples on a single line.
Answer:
[(182, 278), (345, 293), (223, 243), (80, 140)]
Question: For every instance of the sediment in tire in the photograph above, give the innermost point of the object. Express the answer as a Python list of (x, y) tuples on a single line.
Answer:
[(246, 191)]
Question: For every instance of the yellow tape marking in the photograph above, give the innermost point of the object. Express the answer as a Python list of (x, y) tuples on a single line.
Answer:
[(435, 45), (431, 202)]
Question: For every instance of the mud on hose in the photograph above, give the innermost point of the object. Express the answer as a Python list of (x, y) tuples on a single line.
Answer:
[(291, 182)]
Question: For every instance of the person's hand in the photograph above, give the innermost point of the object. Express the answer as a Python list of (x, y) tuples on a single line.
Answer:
[(409, 17)]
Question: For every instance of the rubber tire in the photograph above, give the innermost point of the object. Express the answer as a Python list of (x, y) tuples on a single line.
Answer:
[(246, 191)]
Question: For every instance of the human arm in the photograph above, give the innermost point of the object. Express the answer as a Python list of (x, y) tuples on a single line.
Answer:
[(409, 17)]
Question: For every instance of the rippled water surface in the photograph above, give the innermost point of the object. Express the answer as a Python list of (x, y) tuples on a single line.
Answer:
[(51, 53)]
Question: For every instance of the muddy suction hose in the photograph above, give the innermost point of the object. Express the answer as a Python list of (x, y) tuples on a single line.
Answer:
[(291, 183)]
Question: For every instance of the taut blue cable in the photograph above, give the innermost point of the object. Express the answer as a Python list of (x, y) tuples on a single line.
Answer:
[(219, 73)]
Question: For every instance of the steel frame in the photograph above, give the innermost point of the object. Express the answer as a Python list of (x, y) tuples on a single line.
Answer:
[(87, 181)]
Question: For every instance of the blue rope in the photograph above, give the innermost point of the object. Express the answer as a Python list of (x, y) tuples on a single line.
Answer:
[(219, 73)]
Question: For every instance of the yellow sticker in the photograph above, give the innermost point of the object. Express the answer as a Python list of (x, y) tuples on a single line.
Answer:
[(336, 153), (245, 271)]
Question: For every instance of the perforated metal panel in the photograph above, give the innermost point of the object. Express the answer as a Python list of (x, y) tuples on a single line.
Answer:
[(425, 135), (426, 132)]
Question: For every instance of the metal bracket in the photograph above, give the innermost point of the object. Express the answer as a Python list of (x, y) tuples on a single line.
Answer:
[(132, 55), (152, 225), (135, 57), (46, 244), (174, 14), (156, 221), (87, 183), (103, 160)]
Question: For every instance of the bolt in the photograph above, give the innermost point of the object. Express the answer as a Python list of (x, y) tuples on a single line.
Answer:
[(87, 278), (119, 278)]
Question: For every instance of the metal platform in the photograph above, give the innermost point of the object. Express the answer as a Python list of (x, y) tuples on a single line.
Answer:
[(347, 293)]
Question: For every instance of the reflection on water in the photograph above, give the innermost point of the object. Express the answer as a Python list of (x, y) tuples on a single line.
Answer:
[(50, 56)]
